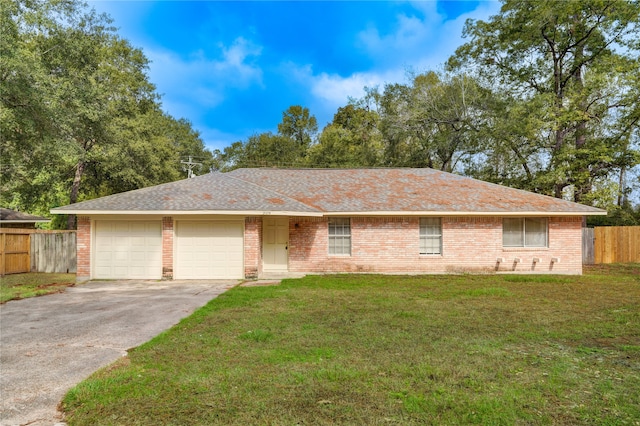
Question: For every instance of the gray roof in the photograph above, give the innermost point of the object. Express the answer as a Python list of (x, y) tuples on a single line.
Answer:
[(12, 216), (332, 191), (210, 192)]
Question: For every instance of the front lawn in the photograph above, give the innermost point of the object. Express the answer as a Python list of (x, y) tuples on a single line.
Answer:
[(385, 350), (21, 286)]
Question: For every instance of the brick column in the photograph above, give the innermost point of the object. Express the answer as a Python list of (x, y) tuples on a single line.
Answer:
[(167, 248), (83, 249), (252, 247)]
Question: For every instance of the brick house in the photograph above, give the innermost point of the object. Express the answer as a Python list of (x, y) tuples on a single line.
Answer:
[(283, 222)]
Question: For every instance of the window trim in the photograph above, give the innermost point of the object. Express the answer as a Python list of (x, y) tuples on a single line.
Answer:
[(524, 232), (425, 236), (334, 237)]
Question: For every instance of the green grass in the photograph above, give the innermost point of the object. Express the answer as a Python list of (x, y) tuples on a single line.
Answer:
[(379, 350), (22, 286)]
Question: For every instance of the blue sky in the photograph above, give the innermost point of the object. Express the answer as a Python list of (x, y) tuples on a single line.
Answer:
[(233, 67)]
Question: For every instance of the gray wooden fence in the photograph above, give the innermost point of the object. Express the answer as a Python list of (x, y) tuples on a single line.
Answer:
[(53, 252), (588, 246)]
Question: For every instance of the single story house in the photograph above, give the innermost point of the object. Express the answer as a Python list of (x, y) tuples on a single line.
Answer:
[(261, 222), (15, 219)]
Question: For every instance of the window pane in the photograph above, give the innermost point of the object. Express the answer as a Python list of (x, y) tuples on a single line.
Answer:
[(513, 232), (430, 226), (430, 245), (339, 236), (535, 232), (430, 235)]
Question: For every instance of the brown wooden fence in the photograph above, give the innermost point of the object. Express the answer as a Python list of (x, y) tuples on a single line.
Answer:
[(33, 250), (616, 244), (15, 253)]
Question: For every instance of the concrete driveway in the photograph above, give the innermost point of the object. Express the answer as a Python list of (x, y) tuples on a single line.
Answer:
[(49, 344)]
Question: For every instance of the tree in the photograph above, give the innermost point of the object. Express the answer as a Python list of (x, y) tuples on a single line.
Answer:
[(572, 67), (299, 125), (262, 150), (351, 140), (432, 122), (79, 116)]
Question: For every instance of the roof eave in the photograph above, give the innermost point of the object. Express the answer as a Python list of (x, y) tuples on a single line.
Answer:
[(466, 213), (320, 214), (186, 212)]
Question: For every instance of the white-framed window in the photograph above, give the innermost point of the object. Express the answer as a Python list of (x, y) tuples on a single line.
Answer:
[(430, 235), (525, 232), (340, 235)]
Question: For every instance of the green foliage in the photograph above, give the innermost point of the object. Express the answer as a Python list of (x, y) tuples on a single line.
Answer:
[(432, 123), (79, 118), (351, 140), (298, 124), (567, 78)]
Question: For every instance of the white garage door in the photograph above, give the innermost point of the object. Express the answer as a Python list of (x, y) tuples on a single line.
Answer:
[(209, 250), (128, 249)]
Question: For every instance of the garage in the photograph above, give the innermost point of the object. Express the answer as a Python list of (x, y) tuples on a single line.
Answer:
[(209, 250), (128, 249)]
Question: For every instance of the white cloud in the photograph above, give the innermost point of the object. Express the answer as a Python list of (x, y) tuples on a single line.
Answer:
[(417, 44), (411, 34), (423, 40), (238, 67), (205, 81)]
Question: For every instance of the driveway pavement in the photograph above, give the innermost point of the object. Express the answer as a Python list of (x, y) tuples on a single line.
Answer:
[(49, 344)]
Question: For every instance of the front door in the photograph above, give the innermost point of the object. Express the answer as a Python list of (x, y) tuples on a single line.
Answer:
[(275, 243)]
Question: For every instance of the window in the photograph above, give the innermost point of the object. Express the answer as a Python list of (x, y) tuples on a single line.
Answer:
[(431, 235), (524, 232), (339, 236)]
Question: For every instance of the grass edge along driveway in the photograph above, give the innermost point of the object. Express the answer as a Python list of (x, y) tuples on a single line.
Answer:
[(23, 286), (370, 349)]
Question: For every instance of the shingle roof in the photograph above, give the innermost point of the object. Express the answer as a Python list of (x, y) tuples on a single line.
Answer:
[(8, 215), (210, 192), (333, 191)]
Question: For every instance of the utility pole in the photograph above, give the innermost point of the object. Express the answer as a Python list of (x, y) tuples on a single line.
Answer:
[(188, 167)]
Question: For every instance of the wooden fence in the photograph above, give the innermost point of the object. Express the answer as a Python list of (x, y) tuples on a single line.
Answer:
[(32, 250), (588, 247), (15, 256), (617, 244)]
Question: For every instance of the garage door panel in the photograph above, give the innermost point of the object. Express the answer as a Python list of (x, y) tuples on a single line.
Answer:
[(209, 250), (128, 249)]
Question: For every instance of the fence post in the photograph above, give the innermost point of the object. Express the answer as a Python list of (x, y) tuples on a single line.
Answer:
[(3, 253), (588, 246)]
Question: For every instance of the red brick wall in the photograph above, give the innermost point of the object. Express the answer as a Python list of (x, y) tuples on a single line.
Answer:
[(83, 249), (470, 244), (252, 247), (167, 248)]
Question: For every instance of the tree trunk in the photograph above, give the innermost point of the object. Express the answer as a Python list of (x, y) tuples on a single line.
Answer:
[(581, 188), (75, 189)]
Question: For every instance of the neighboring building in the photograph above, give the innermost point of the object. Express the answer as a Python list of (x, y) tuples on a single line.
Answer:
[(14, 219), (263, 222)]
